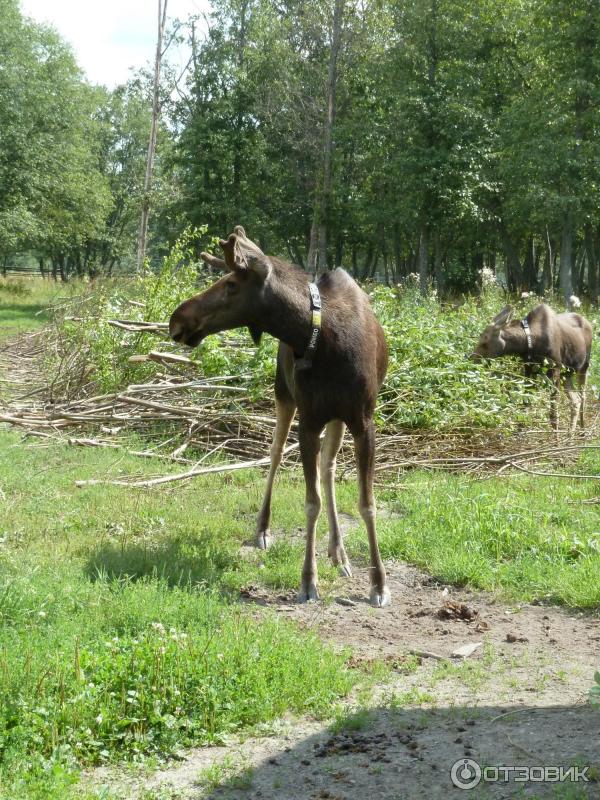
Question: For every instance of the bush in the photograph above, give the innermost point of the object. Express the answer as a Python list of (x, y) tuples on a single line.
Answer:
[(430, 381)]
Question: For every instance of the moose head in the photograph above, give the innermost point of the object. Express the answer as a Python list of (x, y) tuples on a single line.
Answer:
[(234, 301), (492, 342)]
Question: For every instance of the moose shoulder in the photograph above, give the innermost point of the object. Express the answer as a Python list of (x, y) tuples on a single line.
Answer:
[(563, 340), (331, 361)]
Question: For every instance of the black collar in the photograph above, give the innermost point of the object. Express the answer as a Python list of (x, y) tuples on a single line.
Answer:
[(527, 330), (305, 362)]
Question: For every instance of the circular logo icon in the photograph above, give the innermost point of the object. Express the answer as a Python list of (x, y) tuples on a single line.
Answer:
[(465, 773)]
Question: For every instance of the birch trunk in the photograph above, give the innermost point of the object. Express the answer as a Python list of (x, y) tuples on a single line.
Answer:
[(317, 254), (143, 232)]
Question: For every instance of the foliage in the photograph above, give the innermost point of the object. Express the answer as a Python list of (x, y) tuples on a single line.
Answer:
[(464, 130), (430, 382)]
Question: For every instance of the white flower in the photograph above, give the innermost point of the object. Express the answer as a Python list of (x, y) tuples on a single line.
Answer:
[(574, 301), (99, 719), (487, 277)]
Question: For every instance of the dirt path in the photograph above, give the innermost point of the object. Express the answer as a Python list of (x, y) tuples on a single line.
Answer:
[(520, 699)]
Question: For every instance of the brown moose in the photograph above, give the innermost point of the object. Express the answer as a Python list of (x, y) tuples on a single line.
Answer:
[(331, 376), (564, 340)]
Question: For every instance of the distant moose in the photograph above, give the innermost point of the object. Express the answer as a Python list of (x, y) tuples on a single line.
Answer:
[(331, 361), (563, 340)]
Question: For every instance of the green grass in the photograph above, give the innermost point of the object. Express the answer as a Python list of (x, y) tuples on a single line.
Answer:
[(119, 637), (528, 538), (24, 303)]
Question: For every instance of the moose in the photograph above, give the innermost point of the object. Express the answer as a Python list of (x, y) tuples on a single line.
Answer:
[(564, 340), (331, 361)]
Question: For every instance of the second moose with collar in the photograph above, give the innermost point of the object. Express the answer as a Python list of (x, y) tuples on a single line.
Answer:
[(563, 340)]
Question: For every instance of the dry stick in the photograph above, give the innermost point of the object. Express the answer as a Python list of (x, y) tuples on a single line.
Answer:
[(139, 327), (185, 475), (555, 474)]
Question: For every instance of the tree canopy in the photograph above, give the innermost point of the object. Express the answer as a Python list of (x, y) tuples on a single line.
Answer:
[(390, 136)]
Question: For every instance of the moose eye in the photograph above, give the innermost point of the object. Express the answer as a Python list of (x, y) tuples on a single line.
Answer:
[(232, 287)]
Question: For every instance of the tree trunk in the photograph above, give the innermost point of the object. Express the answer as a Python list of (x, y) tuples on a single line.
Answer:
[(529, 271), (354, 262), (566, 258), (579, 271), (238, 141), (322, 210), (423, 258), (143, 233), (592, 259), (368, 261), (514, 276), (548, 273), (437, 263)]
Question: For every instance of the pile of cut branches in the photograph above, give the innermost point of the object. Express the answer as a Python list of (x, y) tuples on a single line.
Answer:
[(212, 424)]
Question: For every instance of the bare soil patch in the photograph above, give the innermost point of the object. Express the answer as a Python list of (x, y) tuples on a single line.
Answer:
[(521, 699)]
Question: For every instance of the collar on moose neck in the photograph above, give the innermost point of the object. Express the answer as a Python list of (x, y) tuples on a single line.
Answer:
[(527, 330), (305, 362)]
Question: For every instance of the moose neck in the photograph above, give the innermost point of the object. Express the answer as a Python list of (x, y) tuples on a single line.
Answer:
[(516, 340), (287, 314)]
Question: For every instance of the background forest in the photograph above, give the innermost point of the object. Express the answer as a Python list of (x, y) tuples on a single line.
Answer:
[(423, 136)]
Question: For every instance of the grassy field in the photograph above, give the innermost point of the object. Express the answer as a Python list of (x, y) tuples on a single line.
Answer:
[(120, 634), (24, 301)]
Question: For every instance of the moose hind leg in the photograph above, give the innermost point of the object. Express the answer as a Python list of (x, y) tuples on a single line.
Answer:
[(309, 452), (574, 402), (284, 416), (334, 433), (554, 375), (364, 445), (581, 379)]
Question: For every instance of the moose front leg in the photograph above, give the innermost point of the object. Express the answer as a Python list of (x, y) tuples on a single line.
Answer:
[(364, 445), (284, 415), (334, 433), (309, 452)]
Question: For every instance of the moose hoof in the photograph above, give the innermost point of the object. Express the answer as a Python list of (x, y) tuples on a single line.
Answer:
[(380, 597), (345, 569), (308, 594), (264, 539), (339, 559)]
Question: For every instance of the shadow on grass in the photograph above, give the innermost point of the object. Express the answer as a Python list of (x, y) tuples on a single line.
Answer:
[(179, 560), (408, 754)]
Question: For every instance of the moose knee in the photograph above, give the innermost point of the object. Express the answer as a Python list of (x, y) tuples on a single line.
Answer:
[(368, 512), (313, 508)]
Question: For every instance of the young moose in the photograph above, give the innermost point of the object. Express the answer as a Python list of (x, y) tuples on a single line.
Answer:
[(330, 371), (565, 340)]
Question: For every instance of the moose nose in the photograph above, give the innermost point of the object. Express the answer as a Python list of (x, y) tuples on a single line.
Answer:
[(176, 329)]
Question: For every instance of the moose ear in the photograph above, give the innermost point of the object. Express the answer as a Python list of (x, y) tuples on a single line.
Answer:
[(255, 333), (260, 265), (214, 261), (504, 317)]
